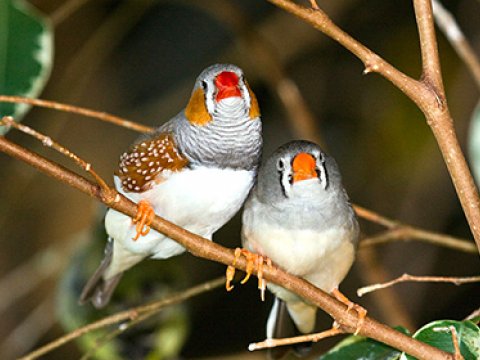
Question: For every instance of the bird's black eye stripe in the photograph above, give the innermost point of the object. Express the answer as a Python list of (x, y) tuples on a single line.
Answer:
[(290, 179), (284, 179)]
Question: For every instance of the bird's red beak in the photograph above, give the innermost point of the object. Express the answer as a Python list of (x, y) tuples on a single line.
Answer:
[(227, 85), (304, 167)]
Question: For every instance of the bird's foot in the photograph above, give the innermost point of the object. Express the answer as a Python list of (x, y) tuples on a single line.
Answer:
[(361, 311), (143, 219), (254, 261)]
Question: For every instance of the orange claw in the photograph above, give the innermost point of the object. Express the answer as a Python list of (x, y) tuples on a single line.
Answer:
[(254, 261), (361, 311), (231, 270), (143, 219)]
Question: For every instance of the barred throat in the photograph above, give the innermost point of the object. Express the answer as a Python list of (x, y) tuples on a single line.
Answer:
[(231, 140), (231, 108)]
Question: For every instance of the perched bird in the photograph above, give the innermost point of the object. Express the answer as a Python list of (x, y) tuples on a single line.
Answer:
[(299, 216), (195, 170)]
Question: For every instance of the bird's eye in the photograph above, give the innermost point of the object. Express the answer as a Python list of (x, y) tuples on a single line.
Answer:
[(321, 158), (204, 85), (281, 164)]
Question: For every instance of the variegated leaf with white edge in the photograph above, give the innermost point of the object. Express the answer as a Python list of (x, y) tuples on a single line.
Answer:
[(26, 54)]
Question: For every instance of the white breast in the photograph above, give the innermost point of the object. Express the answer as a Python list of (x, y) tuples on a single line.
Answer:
[(200, 200), (323, 258)]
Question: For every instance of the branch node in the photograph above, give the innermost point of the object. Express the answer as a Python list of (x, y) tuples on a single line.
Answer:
[(7, 121), (133, 314), (372, 64), (440, 100), (109, 196), (314, 5)]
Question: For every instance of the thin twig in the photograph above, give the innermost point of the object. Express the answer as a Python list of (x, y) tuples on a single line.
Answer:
[(456, 346), (78, 110), (431, 73), (407, 233), (130, 314), (428, 93), (119, 330), (407, 277), (400, 231), (48, 142), (270, 343), (206, 249), (389, 305), (446, 22), (474, 314), (375, 217)]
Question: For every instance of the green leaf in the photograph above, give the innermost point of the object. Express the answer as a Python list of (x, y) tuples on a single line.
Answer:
[(474, 143), (475, 320), (26, 52), (359, 347), (438, 334)]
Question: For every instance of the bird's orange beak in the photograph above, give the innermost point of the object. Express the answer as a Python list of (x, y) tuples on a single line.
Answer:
[(304, 167), (227, 85)]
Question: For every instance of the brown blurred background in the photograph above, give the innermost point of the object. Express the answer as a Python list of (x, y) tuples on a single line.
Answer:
[(138, 59)]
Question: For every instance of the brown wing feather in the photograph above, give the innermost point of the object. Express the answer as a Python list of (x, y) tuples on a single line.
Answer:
[(143, 164)]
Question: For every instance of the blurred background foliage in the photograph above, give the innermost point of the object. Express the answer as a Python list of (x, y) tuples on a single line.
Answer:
[(138, 59)]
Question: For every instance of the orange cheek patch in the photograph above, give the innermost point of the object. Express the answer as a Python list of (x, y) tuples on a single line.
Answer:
[(254, 109), (196, 110), (304, 167)]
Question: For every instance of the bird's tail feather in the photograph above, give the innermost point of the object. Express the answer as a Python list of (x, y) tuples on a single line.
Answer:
[(280, 325), (97, 289)]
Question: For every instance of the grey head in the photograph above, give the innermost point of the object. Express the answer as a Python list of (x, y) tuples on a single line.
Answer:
[(276, 178), (300, 186), (221, 124), (225, 81)]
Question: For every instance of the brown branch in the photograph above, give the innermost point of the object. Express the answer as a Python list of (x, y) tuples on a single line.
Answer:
[(431, 73), (372, 62), (77, 110), (428, 94), (201, 247), (407, 277), (446, 22), (130, 314)]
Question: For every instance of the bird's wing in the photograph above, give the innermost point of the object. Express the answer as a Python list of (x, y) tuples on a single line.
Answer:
[(146, 161)]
